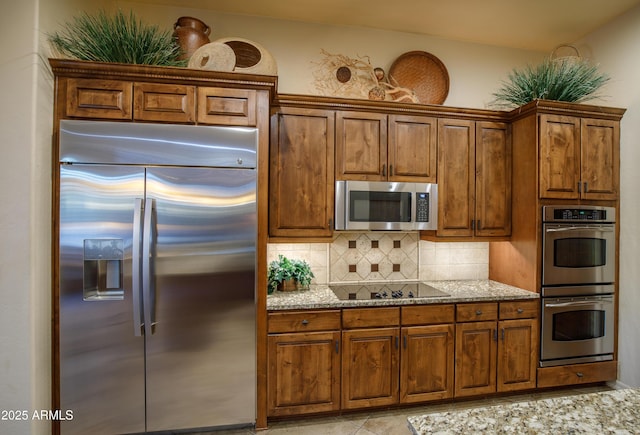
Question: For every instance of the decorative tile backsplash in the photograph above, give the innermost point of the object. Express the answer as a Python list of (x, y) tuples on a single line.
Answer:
[(379, 256), (373, 256)]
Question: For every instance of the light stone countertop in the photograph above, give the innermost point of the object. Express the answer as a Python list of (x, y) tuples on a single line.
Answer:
[(320, 296), (607, 412)]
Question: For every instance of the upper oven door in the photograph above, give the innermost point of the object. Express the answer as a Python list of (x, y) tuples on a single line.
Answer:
[(578, 253)]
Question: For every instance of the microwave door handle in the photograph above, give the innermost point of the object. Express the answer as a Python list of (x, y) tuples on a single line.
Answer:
[(581, 228), (576, 303)]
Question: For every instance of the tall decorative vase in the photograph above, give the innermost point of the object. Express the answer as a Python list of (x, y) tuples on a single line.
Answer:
[(191, 34)]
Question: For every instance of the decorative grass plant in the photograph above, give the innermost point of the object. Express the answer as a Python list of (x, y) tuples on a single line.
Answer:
[(118, 38), (570, 79)]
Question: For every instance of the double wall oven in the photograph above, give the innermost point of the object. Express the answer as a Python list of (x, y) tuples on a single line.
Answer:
[(578, 277)]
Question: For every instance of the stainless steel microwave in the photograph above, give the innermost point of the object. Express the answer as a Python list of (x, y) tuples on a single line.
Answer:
[(386, 206)]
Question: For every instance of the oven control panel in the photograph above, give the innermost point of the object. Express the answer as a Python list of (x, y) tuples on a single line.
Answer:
[(579, 213)]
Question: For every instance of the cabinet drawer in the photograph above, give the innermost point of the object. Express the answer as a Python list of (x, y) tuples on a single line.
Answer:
[(577, 374), (304, 321), (370, 317), (227, 106), (519, 309), (105, 99), (428, 314), (164, 102), (476, 312)]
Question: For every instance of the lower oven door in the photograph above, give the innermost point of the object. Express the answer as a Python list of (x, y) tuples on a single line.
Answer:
[(577, 329)]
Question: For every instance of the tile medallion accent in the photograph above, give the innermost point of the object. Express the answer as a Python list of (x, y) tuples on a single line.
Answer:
[(378, 256)]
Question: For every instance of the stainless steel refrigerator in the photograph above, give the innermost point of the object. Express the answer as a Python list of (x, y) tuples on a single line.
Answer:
[(157, 238)]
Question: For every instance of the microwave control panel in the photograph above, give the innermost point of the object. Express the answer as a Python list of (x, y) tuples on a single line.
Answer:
[(422, 207)]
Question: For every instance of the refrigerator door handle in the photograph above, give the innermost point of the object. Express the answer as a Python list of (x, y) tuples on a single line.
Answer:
[(147, 283), (135, 273)]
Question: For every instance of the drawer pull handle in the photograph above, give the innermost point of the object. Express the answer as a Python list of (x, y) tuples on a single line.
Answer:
[(305, 322), (478, 312), (520, 311), (579, 374)]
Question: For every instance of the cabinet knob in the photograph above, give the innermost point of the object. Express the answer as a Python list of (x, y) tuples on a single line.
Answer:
[(579, 374), (520, 311), (305, 322), (478, 312)]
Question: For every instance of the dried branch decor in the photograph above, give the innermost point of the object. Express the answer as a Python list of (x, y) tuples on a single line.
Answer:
[(341, 76)]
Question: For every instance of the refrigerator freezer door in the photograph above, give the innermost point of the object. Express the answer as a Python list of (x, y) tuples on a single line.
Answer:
[(101, 360), (201, 353)]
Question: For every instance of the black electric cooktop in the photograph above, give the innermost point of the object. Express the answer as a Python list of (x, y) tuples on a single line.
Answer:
[(404, 290)]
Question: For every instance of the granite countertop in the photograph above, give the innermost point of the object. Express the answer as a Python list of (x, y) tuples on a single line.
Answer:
[(320, 296), (608, 412)]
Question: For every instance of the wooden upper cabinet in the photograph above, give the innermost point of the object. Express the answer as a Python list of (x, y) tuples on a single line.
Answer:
[(474, 178), (301, 173), (377, 147), (559, 156), (98, 99), (227, 106), (493, 179), (162, 102), (412, 151), (456, 177), (579, 158), (600, 159), (361, 146)]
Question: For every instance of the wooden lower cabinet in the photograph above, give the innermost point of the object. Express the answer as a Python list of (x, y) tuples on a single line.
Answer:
[(370, 367), (496, 356), (476, 358), (304, 373), (577, 374), (356, 358), (426, 363)]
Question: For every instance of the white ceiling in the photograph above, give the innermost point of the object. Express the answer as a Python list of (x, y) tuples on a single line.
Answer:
[(526, 24)]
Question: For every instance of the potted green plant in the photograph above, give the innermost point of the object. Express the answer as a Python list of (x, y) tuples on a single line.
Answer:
[(117, 38), (560, 79), (285, 274)]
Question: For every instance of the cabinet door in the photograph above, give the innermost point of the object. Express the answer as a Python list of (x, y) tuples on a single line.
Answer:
[(493, 179), (361, 146), (456, 177), (370, 367), (476, 351), (227, 106), (99, 99), (517, 354), (163, 102), (559, 157), (426, 369), (301, 173), (600, 141), (304, 373), (412, 153)]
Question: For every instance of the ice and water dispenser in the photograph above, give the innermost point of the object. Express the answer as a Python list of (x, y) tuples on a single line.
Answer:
[(102, 276)]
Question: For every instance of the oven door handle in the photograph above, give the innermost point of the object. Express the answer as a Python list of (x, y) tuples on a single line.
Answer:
[(606, 229), (577, 303)]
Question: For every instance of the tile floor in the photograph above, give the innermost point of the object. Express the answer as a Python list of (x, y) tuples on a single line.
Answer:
[(390, 422)]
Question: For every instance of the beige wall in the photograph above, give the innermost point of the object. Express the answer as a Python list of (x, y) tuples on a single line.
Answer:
[(475, 72)]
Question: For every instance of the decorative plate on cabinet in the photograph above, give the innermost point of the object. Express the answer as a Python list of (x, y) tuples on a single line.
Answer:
[(423, 73)]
